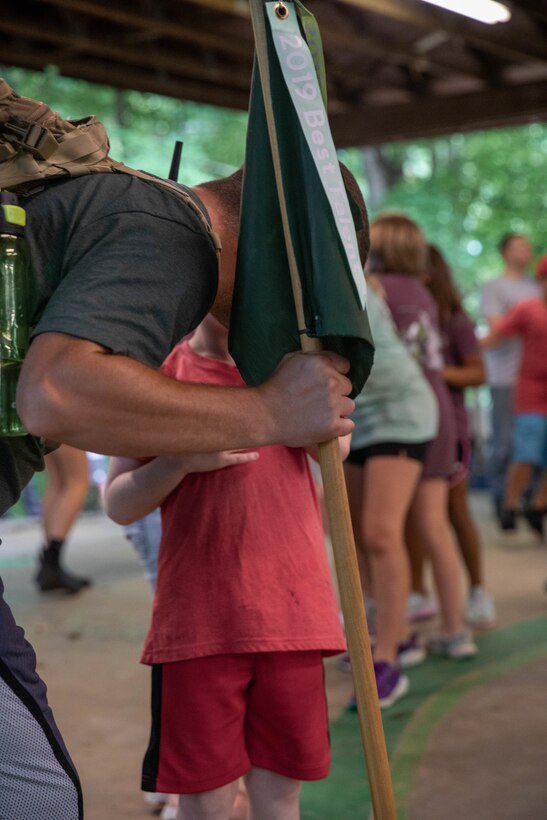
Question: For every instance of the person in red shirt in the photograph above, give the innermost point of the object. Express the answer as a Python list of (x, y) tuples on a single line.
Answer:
[(528, 321), (243, 614)]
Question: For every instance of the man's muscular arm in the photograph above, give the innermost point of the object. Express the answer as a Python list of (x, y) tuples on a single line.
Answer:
[(75, 391)]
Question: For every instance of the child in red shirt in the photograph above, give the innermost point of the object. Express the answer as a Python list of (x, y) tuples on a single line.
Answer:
[(244, 611), (528, 320)]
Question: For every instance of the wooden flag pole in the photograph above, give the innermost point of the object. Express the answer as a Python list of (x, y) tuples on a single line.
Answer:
[(336, 500)]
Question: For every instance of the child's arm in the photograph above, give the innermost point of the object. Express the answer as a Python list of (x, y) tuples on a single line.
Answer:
[(493, 338), (343, 442), (512, 324), (134, 489), (468, 374)]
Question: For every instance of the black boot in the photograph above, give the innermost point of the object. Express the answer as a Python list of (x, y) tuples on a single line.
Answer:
[(534, 517), (508, 519), (52, 576)]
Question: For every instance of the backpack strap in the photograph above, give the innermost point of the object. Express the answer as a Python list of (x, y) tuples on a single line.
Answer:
[(38, 146)]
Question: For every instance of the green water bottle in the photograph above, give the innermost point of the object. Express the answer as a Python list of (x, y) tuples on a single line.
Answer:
[(14, 318)]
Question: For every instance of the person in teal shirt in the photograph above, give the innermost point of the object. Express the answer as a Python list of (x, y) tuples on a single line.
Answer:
[(396, 416)]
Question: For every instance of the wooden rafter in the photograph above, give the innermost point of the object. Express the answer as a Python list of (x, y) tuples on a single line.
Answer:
[(395, 68), (501, 42), (357, 42), (128, 77), (433, 116), (152, 58), (167, 28)]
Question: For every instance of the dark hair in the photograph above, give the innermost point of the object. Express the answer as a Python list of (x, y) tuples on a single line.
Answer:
[(441, 284), (362, 224), (507, 239)]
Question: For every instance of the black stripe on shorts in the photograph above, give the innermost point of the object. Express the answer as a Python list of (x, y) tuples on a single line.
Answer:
[(389, 448), (151, 760)]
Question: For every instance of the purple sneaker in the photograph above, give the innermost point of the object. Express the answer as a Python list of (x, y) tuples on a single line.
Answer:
[(390, 683), (344, 663), (409, 653)]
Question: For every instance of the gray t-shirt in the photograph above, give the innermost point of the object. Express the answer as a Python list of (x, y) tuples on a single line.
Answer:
[(396, 403), (498, 296), (117, 261)]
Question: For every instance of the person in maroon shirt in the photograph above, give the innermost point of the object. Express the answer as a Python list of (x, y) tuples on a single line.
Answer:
[(463, 367), (528, 321), (398, 255)]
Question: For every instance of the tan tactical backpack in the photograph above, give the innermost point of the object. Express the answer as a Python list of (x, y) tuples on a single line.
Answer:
[(38, 145)]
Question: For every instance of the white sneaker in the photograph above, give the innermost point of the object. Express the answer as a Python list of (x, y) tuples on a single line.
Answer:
[(480, 611), (169, 813), (458, 646), (420, 607)]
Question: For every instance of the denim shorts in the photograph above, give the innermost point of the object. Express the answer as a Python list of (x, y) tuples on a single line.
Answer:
[(530, 439)]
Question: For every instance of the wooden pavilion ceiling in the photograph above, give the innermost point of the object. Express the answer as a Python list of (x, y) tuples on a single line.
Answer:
[(396, 68)]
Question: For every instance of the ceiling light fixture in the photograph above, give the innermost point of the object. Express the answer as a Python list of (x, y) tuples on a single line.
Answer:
[(486, 11)]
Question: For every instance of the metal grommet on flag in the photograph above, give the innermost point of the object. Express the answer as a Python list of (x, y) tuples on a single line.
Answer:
[(281, 10)]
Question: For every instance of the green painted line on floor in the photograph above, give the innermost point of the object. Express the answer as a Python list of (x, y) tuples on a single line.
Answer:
[(436, 687), (414, 740), (17, 562)]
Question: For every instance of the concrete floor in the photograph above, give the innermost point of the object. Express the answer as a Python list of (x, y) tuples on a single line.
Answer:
[(88, 649), (485, 759)]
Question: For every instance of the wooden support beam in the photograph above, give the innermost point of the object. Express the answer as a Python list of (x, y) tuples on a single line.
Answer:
[(126, 77), (333, 37), (503, 40), (402, 12), (169, 60), (358, 45), (156, 59), (239, 8), (174, 29), (357, 42), (436, 116)]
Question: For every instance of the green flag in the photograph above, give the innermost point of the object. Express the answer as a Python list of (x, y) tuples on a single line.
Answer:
[(263, 325)]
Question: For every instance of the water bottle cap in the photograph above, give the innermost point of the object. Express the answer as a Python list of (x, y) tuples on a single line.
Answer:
[(13, 219), (14, 215)]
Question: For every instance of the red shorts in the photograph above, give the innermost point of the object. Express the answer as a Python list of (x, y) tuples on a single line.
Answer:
[(215, 717)]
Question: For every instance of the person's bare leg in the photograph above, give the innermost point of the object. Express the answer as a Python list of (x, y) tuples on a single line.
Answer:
[(69, 471), (212, 805), (467, 535), (539, 501), (390, 483), (64, 499), (172, 801), (53, 488), (272, 796), (240, 809), (518, 479), (415, 550), (429, 516), (355, 484)]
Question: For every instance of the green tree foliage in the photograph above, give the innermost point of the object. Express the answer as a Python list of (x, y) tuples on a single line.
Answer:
[(466, 191), (143, 127)]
